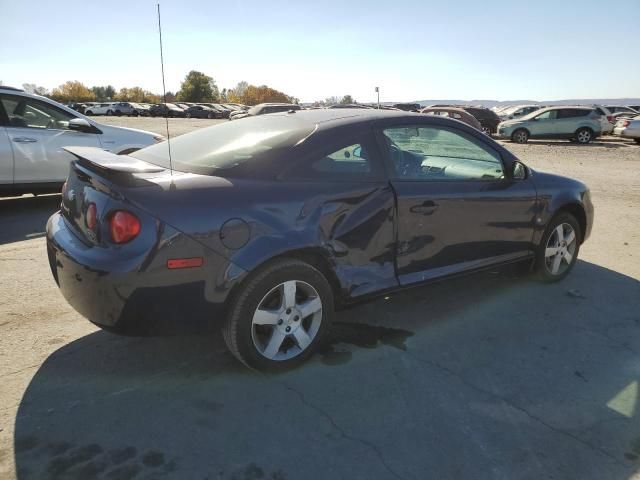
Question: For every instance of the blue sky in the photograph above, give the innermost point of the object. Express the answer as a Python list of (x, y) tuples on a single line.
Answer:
[(413, 50)]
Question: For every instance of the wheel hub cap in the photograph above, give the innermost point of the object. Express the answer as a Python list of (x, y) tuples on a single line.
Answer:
[(560, 249)]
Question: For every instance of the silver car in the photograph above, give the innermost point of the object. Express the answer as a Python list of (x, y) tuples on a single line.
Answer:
[(628, 128)]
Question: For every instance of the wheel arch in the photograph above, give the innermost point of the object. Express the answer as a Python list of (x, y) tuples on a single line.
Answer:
[(314, 256), (578, 212)]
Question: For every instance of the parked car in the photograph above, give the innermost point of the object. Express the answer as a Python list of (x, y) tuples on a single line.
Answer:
[(234, 107), (221, 112), (635, 107), (33, 133), (620, 108), (488, 119), (166, 110), (628, 128), (618, 115), (100, 109), (581, 124), (517, 111), (78, 107), (199, 111), (350, 105), (408, 107), (606, 118), (127, 108), (455, 113), (317, 211), (264, 108)]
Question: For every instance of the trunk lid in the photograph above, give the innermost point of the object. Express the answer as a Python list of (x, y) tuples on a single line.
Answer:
[(93, 189)]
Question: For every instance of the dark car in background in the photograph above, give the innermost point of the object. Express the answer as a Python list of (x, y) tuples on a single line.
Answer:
[(265, 227), (264, 108), (200, 111), (166, 110), (488, 119), (408, 107), (223, 111), (455, 113)]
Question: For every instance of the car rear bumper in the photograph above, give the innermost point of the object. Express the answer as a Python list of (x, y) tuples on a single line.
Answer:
[(138, 295), (626, 132)]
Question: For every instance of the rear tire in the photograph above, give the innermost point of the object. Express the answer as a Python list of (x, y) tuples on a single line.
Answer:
[(584, 135), (637, 140), (558, 249), (109, 113), (209, 116), (520, 136), (280, 317), (188, 115), (486, 130)]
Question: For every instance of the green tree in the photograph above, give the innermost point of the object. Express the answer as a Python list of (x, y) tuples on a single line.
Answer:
[(196, 87), (347, 99), (215, 91)]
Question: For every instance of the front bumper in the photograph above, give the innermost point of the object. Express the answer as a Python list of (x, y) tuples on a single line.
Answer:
[(139, 295)]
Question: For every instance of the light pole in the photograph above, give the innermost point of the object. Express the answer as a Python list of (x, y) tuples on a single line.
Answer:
[(378, 92)]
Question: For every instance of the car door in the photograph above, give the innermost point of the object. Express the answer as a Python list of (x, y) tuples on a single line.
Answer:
[(6, 161), (543, 125), (37, 131), (458, 207)]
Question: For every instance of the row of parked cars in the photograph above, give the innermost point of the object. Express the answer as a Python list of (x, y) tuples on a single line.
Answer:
[(176, 109), (519, 123)]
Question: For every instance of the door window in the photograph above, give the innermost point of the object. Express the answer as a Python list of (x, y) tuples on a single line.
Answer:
[(31, 113), (437, 154)]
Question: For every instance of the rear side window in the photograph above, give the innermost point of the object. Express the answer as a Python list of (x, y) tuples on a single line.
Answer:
[(573, 113), (209, 151), (348, 163)]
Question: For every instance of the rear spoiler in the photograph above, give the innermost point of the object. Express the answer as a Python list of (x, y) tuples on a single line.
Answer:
[(109, 162)]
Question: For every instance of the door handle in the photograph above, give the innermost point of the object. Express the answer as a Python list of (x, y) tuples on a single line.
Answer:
[(24, 140), (425, 208)]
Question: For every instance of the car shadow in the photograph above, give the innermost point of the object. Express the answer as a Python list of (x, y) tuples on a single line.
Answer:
[(23, 218), (491, 375)]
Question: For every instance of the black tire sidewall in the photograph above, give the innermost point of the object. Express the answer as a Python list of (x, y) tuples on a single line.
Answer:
[(238, 327), (540, 266)]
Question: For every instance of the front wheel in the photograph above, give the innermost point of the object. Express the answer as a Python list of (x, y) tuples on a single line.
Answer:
[(188, 115), (486, 130), (280, 317), (558, 250), (584, 135), (520, 136), (109, 112)]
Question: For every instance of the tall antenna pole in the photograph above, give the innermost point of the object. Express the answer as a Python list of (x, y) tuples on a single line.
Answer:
[(164, 95)]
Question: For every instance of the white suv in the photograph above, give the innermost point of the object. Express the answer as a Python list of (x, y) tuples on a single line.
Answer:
[(100, 109), (33, 132)]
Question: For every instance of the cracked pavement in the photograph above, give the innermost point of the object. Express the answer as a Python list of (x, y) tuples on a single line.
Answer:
[(492, 376)]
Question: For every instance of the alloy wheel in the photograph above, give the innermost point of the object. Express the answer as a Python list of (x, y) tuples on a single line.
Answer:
[(286, 320), (561, 248), (584, 136)]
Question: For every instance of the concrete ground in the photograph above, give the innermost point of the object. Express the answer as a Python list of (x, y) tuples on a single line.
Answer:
[(492, 376)]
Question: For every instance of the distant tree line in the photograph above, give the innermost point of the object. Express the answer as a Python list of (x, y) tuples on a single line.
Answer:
[(196, 87)]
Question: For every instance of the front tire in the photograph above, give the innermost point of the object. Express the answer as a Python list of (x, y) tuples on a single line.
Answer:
[(109, 113), (558, 249), (584, 135), (520, 136), (280, 317)]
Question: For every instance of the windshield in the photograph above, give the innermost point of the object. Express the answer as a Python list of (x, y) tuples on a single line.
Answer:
[(227, 145)]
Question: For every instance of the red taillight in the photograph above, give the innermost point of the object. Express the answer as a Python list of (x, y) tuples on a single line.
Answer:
[(91, 217), (610, 118), (626, 123), (124, 226)]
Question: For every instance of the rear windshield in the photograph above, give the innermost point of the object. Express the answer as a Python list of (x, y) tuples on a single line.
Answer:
[(213, 150)]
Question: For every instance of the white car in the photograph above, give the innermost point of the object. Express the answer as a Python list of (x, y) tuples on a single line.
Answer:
[(33, 132), (628, 128), (606, 118), (101, 109), (517, 111)]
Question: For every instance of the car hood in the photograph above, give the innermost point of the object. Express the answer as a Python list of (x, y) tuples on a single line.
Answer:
[(552, 180), (511, 123)]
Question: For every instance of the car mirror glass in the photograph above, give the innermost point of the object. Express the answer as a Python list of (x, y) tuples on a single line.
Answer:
[(519, 171)]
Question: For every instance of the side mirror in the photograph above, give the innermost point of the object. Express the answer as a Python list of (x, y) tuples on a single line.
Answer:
[(81, 125), (518, 171)]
